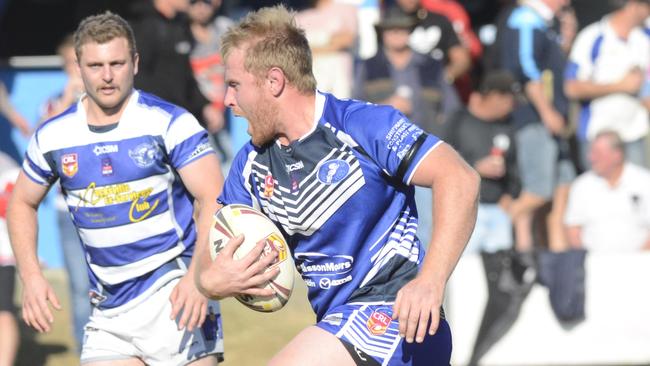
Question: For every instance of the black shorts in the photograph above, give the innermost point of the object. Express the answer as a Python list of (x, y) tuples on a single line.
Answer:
[(7, 285)]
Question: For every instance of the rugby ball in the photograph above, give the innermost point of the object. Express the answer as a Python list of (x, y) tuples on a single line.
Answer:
[(235, 219)]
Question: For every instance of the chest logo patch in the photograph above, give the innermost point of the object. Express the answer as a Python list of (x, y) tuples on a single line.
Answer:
[(69, 164), (333, 171), (145, 154), (269, 185)]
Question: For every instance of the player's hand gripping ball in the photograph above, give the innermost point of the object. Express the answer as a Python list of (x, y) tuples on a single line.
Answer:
[(232, 220)]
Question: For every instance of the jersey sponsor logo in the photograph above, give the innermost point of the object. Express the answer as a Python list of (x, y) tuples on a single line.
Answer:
[(107, 167), (295, 166), (145, 154), (317, 264), (378, 322), (200, 148), (295, 185), (69, 164), (309, 282), (333, 171), (105, 149), (325, 283), (140, 207), (405, 150), (360, 354), (398, 135), (335, 319)]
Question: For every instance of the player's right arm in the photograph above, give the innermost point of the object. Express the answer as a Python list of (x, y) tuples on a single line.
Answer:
[(226, 276), (23, 225)]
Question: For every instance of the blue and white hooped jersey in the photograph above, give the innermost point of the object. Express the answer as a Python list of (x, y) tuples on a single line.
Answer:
[(130, 208), (342, 198)]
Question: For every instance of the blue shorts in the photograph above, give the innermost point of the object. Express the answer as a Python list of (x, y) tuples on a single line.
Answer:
[(368, 330)]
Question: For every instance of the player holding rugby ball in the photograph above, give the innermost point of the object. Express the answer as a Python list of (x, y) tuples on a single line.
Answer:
[(336, 176)]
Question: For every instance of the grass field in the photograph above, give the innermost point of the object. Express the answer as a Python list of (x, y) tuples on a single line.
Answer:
[(251, 338)]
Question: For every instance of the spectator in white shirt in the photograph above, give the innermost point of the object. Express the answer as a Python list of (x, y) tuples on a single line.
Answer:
[(609, 205)]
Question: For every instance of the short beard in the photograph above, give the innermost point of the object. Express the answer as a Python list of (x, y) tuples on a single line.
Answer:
[(264, 118)]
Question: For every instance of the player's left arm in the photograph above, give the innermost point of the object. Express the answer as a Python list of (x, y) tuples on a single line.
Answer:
[(203, 179), (455, 188)]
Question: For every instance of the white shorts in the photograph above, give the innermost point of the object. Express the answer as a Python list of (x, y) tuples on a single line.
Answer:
[(147, 333)]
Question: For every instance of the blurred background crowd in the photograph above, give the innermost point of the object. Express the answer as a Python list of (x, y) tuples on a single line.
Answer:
[(547, 99)]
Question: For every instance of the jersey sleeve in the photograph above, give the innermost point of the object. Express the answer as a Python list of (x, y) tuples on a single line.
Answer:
[(390, 139), (234, 187), (36, 166), (530, 38), (582, 56), (186, 141)]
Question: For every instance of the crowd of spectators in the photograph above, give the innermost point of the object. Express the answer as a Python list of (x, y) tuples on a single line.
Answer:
[(531, 104)]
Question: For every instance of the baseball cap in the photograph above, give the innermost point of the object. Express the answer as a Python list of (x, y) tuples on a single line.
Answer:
[(394, 17), (499, 81)]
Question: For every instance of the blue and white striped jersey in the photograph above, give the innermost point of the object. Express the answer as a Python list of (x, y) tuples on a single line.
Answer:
[(130, 208), (340, 195)]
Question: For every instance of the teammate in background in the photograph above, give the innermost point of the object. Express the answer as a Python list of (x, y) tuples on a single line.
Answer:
[(350, 205), (130, 166)]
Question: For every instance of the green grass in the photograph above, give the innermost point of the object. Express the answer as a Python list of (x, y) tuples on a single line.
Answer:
[(251, 338)]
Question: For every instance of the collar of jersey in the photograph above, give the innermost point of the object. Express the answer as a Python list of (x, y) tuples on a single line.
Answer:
[(82, 113), (319, 106)]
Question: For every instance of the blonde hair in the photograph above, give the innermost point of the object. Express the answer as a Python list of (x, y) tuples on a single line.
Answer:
[(103, 28), (271, 38)]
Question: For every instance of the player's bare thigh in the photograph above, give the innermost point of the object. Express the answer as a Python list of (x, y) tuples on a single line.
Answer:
[(315, 347), (210, 360)]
